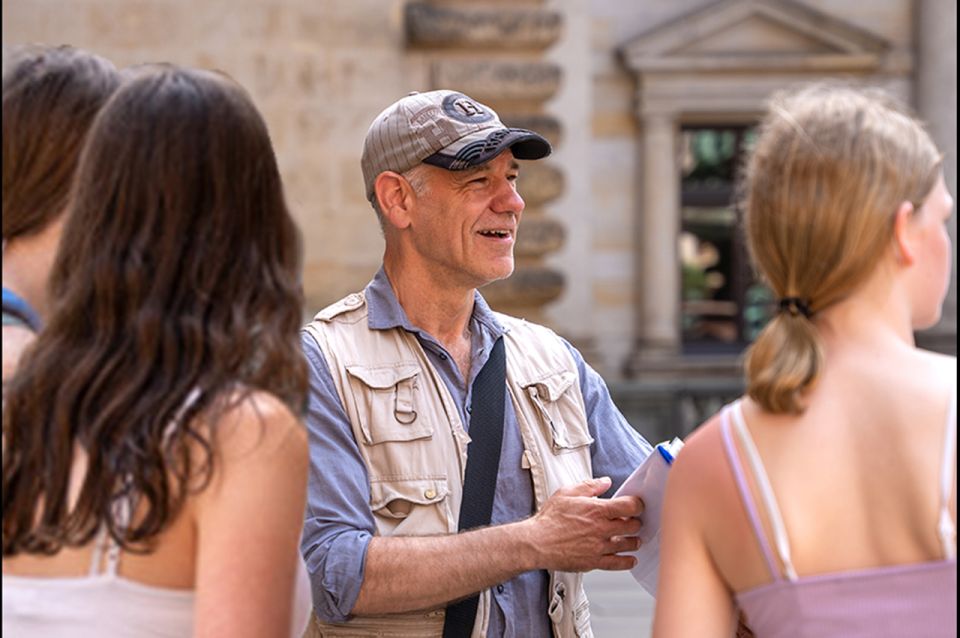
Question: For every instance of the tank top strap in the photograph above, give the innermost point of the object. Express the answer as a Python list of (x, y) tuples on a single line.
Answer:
[(106, 543), (99, 543), (766, 491), (946, 528), (745, 495)]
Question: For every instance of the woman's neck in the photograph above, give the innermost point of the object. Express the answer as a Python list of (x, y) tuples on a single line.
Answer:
[(27, 263)]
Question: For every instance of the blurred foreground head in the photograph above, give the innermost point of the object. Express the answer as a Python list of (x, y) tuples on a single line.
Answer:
[(50, 98), (178, 277), (830, 169)]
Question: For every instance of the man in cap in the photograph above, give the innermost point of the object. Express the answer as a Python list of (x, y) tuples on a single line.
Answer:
[(454, 449)]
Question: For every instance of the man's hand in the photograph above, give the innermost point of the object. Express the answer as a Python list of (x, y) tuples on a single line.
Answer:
[(575, 531)]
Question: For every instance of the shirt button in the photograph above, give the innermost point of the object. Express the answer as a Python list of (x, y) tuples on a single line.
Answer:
[(430, 493), (500, 588)]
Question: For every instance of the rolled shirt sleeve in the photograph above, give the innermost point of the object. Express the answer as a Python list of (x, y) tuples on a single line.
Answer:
[(617, 447), (338, 524)]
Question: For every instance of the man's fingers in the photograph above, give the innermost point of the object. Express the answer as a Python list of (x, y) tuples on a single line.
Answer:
[(623, 507), (614, 563), (621, 544), (590, 487), (624, 526)]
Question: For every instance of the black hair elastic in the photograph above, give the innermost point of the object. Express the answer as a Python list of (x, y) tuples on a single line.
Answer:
[(795, 306)]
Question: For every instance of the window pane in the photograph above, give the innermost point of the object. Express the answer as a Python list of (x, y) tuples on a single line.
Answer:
[(723, 307), (709, 158)]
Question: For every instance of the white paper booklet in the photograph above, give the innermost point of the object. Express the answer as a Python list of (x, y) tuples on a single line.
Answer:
[(648, 482)]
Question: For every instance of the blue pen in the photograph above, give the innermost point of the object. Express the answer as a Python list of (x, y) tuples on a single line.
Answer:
[(665, 454)]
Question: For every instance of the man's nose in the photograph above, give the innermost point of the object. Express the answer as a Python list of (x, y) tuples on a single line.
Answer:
[(507, 199)]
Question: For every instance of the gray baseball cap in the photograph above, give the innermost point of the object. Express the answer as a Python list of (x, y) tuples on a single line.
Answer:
[(443, 128)]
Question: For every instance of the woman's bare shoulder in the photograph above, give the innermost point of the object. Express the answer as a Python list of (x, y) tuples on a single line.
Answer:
[(701, 472), (250, 423), (256, 438)]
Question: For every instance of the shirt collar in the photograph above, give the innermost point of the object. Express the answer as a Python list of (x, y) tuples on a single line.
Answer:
[(385, 311)]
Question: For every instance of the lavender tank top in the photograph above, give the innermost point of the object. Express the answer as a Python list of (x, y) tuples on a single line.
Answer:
[(916, 600)]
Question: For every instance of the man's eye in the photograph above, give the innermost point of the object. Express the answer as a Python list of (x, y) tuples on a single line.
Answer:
[(478, 180)]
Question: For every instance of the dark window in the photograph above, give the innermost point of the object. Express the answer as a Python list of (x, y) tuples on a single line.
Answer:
[(723, 305)]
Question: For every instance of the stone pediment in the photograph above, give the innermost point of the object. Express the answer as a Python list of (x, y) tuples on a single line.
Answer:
[(756, 35)]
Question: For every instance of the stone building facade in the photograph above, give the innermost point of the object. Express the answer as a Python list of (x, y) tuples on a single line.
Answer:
[(630, 93)]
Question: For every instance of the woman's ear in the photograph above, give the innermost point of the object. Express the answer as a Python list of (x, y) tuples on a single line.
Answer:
[(903, 234), (395, 197)]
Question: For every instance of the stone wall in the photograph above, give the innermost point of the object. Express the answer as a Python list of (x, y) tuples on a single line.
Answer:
[(320, 70), (494, 53)]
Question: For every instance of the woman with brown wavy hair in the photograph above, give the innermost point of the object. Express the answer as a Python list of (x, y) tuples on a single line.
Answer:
[(154, 466), (823, 502), (50, 97)]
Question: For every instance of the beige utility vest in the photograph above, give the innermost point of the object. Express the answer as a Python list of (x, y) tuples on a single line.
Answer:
[(414, 444)]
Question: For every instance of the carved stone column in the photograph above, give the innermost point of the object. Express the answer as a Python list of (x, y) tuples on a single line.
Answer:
[(659, 322), (492, 52)]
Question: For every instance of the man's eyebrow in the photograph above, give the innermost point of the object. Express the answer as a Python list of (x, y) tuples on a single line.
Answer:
[(485, 167)]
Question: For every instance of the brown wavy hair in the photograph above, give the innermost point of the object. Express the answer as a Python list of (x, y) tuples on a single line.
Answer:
[(50, 98), (177, 276), (830, 168)]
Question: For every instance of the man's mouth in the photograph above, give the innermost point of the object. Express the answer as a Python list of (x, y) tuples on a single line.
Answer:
[(497, 234)]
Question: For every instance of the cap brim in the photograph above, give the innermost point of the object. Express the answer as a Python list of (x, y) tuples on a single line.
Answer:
[(482, 146)]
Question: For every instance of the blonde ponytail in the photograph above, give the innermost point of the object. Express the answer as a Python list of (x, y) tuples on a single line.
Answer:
[(784, 362)]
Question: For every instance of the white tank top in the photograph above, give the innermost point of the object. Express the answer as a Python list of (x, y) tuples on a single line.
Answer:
[(107, 605)]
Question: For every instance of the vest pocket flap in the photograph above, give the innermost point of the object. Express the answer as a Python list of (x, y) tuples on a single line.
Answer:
[(551, 387), (559, 410), (388, 399), (396, 498), (383, 377)]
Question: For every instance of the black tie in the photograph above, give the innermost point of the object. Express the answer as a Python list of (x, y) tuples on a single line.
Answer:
[(483, 461)]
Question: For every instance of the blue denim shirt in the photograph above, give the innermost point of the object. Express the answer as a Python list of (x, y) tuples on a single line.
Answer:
[(338, 524)]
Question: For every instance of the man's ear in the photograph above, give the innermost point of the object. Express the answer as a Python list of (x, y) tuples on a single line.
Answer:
[(396, 198), (903, 234)]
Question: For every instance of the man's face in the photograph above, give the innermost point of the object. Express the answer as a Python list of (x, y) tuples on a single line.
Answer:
[(465, 223)]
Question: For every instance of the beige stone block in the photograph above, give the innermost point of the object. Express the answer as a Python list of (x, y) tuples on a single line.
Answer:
[(131, 24), (614, 240), (612, 294), (327, 280), (540, 182), (269, 73), (492, 80), (352, 192), (478, 26), (546, 125), (314, 127), (613, 124), (539, 236), (530, 285), (314, 74), (362, 25), (491, 2)]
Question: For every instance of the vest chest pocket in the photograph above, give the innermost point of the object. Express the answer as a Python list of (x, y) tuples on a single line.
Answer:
[(387, 399), (415, 506), (553, 397)]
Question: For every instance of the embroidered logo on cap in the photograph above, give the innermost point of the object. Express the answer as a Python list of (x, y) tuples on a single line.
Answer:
[(461, 108)]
